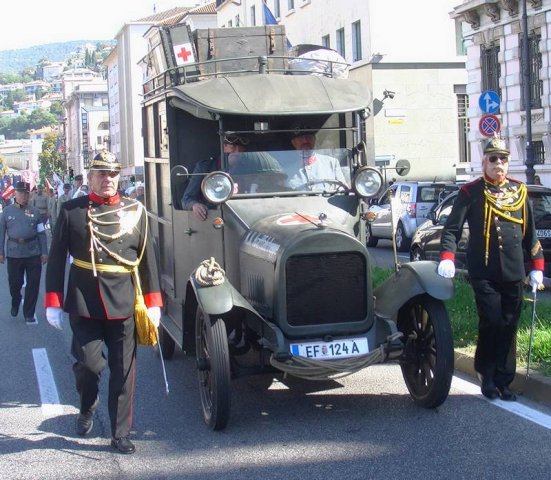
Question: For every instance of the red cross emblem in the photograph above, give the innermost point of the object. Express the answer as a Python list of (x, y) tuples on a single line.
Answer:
[(183, 53)]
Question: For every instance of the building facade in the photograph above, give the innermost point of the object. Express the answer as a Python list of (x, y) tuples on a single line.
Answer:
[(493, 37), (87, 124), (417, 74), (125, 83)]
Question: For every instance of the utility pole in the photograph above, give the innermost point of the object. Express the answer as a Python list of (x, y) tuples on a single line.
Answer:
[(529, 158)]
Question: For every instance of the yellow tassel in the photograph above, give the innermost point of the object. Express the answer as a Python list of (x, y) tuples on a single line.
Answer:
[(146, 332)]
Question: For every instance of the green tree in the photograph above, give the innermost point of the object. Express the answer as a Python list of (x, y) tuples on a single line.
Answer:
[(14, 96), (50, 158), (16, 128), (57, 109), (41, 118)]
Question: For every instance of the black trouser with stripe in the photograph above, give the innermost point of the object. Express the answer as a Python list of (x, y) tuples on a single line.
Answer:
[(89, 336), (498, 305), (17, 268)]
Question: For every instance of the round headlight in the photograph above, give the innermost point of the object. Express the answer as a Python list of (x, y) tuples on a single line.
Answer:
[(367, 182), (217, 187)]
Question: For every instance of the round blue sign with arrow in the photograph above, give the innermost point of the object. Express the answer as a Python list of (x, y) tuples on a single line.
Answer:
[(489, 101)]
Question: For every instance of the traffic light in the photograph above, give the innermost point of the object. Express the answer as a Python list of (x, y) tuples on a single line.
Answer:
[(132, 180), (71, 174)]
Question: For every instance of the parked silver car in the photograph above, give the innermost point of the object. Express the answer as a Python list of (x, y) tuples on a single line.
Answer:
[(416, 201)]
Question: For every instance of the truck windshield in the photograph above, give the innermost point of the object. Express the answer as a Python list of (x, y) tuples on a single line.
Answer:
[(286, 171)]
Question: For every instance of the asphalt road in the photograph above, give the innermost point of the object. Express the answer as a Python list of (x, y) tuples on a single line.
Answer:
[(361, 427)]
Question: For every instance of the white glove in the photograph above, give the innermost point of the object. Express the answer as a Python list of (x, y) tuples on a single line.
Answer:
[(54, 315), (154, 314), (536, 279), (446, 269)]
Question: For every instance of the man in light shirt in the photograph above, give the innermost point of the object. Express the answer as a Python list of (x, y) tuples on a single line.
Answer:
[(78, 190)]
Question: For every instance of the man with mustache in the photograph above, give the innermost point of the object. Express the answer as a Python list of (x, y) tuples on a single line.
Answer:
[(107, 235), (314, 166), (502, 229)]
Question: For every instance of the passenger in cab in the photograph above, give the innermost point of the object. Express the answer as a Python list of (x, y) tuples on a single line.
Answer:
[(313, 166), (193, 197)]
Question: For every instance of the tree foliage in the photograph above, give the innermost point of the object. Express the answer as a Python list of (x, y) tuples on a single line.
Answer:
[(50, 159), (16, 128), (57, 109), (13, 96)]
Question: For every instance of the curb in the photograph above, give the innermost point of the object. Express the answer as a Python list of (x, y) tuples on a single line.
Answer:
[(535, 387)]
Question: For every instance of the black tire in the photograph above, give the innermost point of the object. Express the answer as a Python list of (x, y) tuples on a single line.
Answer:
[(427, 363), (416, 254), (402, 241), (213, 369), (371, 240), (166, 342)]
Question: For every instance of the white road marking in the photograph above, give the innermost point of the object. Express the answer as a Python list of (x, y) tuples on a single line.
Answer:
[(46, 384), (516, 408)]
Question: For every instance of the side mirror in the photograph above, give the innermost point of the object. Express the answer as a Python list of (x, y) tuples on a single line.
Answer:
[(432, 217)]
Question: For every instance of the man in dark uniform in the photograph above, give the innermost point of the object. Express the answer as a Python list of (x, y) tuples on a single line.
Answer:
[(23, 242), (193, 198), (107, 236), (501, 227)]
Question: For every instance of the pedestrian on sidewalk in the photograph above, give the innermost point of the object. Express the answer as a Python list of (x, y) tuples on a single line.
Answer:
[(502, 230), (108, 238), (23, 243)]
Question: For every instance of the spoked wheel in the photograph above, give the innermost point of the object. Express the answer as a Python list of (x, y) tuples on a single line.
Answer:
[(213, 369), (427, 364)]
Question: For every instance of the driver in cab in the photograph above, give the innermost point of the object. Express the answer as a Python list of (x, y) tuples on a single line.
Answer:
[(314, 167)]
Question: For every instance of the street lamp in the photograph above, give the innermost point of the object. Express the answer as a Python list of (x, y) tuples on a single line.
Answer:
[(529, 159)]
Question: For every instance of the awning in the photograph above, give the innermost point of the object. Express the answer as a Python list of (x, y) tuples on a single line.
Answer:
[(270, 95)]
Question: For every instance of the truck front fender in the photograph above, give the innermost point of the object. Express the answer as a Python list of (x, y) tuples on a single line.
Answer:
[(220, 299), (412, 279)]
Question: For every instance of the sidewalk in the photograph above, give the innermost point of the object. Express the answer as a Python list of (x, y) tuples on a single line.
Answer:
[(536, 387)]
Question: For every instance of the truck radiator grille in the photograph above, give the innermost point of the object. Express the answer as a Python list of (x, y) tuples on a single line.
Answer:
[(326, 288)]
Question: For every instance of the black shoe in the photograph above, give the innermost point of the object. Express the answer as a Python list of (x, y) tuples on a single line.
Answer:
[(31, 320), (85, 422), (123, 445), (488, 388), (14, 311), (507, 394)]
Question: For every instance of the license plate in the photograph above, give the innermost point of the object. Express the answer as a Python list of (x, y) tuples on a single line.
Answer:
[(348, 347), (543, 233)]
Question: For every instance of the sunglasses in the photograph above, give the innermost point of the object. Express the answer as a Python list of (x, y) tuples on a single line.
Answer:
[(495, 158)]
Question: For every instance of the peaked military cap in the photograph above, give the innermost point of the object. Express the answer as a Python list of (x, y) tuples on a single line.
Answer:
[(105, 161), (22, 187), (496, 145)]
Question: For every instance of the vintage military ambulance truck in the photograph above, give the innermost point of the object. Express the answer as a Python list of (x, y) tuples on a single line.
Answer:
[(277, 279)]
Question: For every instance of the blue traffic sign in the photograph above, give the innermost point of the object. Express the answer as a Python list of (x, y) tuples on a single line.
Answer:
[(489, 101)]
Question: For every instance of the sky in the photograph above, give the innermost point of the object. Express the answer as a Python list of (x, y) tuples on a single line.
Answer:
[(25, 23)]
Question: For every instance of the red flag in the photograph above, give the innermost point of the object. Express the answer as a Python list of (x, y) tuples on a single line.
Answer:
[(8, 192)]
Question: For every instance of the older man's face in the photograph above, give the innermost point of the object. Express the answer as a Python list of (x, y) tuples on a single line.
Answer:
[(103, 182), (495, 166), (304, 142)]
